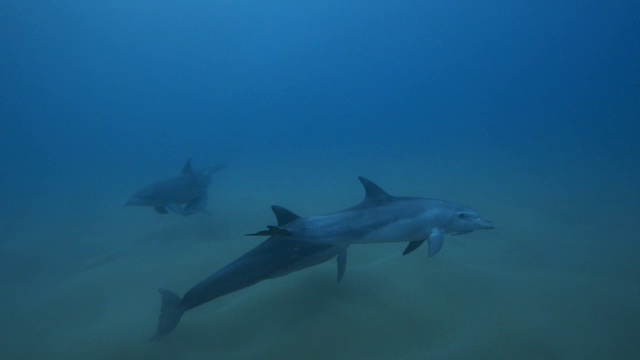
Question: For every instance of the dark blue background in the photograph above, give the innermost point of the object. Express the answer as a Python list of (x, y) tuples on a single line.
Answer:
[(107, 82)]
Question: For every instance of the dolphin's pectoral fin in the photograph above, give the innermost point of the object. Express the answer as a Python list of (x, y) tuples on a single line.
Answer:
[(194, 206), (271, 231), (412, 246), (436, 240), (161, 210), (173, 207), (342, 264)]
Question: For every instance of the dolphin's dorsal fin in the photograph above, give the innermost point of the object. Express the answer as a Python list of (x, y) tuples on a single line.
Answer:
[(186, 169), (372, 191), (284, 216)]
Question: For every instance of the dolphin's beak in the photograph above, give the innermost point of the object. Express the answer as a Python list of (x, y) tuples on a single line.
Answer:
[(484, 224)]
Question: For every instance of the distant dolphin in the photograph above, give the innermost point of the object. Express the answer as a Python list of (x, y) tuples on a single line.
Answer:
[(382, 218), (185, 194), (273, 258)]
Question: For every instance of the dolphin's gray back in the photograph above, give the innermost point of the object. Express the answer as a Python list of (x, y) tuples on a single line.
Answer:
[(274, 258), (364, 218)]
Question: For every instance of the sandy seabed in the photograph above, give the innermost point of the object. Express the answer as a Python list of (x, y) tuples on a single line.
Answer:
[(558, 279)]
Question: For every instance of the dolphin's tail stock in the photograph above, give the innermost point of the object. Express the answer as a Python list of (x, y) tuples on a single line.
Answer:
[(170, 314)]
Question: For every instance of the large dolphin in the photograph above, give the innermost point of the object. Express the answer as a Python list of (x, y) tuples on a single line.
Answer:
[(273, 258), (185, 194), (382, 218)]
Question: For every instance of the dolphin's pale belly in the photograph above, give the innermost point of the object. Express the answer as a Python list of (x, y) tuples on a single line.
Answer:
[(398, 231)]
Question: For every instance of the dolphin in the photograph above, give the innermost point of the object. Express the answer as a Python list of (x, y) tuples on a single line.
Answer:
[(273, 258), (383, 218), (185, 194)]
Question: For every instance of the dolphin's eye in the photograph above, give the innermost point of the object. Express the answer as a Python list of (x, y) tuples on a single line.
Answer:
[(463, 216)]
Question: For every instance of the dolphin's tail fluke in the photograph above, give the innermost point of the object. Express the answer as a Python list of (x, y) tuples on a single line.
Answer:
[(215, 169), (170, 314)]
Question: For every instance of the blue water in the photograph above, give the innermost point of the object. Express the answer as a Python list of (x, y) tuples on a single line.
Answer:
[(527, 111)]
